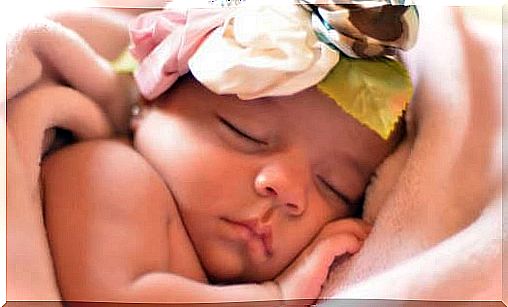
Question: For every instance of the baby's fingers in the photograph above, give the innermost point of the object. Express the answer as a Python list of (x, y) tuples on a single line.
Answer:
[(338, 245), (356, 227), (322, 256), (303, 279)]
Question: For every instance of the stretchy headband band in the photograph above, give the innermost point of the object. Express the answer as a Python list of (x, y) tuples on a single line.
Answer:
[(256, 51)]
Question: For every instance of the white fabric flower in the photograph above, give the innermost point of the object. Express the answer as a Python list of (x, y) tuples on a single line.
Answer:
[(263, 51)]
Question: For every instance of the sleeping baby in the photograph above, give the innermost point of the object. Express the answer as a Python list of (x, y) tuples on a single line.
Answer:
[(260, 129)]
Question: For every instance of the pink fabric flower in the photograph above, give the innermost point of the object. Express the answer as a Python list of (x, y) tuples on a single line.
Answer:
[(163, 42)]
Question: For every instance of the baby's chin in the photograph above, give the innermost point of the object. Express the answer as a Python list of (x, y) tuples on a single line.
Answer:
[(222, 267)]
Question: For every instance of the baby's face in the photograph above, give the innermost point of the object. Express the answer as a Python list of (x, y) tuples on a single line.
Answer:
[(255, 181)]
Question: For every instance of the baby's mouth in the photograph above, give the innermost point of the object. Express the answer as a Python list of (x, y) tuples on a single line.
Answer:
[(256, 231)]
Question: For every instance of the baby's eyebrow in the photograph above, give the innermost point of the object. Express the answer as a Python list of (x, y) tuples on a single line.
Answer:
[(356, 166)]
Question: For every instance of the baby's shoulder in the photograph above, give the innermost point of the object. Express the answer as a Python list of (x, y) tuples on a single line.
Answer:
[(95, 159), (102, 171)]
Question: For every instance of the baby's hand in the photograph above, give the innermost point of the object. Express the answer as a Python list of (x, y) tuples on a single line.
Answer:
[(304, 278)]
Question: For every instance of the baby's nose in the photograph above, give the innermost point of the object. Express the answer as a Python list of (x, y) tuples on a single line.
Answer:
[(286, 184)]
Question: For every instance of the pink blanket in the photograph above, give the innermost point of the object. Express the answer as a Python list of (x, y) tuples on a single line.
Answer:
[(436, 201), (55, 78)]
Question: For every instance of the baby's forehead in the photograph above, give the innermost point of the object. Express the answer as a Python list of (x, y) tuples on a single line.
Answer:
[(310, 99)]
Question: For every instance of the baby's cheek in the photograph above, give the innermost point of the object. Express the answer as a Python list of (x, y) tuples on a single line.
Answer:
[(216, 177)]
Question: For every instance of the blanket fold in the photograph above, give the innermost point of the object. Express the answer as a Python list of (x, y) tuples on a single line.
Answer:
[(47, 50), (435, 202)]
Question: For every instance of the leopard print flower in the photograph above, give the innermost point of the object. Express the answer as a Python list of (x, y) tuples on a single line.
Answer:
[(362, 29)]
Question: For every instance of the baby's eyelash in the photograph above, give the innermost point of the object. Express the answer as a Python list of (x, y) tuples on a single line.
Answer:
[(339, 194), (239, 132)]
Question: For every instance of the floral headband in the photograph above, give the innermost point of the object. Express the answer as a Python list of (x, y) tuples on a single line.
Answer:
[(256, 51)]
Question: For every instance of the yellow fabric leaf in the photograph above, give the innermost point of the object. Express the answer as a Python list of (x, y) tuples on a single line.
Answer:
[(125, 63), (373, 91)]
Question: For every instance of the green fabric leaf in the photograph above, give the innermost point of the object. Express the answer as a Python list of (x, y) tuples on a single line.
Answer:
[(373, 91), (125, 63)]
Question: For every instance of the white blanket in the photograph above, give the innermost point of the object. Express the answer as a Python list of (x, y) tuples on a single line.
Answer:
[(436, 201)]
